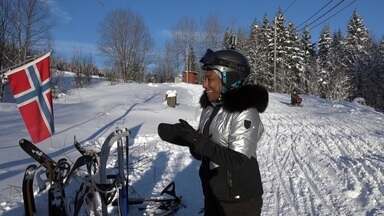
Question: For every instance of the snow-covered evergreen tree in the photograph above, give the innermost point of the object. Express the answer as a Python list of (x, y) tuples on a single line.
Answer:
[(310, 65), (324, 61), (339, 82), (257, 53), (235, 39), (375, 94), (381, 50), (307, 46), (341, 68), (266, 50), (242, 40), (293, 60), (357, 55), (253, 52), (228, 40), (379, 75), (278, 33)]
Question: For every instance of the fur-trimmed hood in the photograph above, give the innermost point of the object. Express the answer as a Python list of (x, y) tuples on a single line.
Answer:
[(240, 99)]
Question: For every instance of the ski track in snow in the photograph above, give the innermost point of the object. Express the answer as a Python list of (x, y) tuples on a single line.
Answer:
[(319, 159), (322, 165)]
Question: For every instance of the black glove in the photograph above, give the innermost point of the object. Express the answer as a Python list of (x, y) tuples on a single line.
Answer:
[(180, 133), (170, 133), (188, 133), (185, 125), (173, 133)]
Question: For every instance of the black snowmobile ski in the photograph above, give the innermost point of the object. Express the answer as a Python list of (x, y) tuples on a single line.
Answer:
[(56, 193), (28, 196), (168, 203), (56, 173), (81, 161), (84, 151), (172, 206), (56, 200), (123, 192), (37, 154), (88, 157), (78, 146)]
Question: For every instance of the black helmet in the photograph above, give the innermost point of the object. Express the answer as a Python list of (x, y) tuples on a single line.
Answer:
[(232, 65)]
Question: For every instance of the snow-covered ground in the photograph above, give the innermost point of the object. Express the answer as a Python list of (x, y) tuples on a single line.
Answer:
[(320, 159)]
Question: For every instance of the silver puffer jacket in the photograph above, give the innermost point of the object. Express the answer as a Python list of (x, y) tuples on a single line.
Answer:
[(234, 130), (229, 170)]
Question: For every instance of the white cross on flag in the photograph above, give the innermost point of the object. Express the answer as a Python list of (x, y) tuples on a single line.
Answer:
[(31, 88)]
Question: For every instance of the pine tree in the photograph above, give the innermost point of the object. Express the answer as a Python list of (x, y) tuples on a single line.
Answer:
[(235, 40), (309, 59), (324, 61), (339, 82), (266, 38), (380, 76), (255, 32), (357, 54), (381, 50), (278, 33), (242, 40), (228, 39), (294, 60), (376, 78), (253, 52), (308, 46), (257, 54)]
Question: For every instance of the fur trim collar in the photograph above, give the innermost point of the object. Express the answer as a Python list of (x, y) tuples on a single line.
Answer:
[(240, 99)]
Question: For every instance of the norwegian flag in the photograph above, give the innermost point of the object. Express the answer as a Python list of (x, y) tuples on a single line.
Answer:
[(31, 88)]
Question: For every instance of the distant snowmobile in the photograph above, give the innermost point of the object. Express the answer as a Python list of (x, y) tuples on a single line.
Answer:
[(296, 99)]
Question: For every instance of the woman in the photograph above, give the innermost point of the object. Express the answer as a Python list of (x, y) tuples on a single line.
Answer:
[(227, 137)]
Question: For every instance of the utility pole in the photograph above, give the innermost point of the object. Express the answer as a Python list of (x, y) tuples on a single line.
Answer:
[(274, 55), (3, 82), (234, 41), (186, 64)]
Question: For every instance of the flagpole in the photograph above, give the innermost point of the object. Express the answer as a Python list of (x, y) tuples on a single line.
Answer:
[(50, 140)]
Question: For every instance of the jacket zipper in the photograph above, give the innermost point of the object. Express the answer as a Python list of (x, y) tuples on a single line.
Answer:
[(229, 183)]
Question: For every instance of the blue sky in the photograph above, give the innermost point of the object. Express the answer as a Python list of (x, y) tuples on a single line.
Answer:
[(77, 22)]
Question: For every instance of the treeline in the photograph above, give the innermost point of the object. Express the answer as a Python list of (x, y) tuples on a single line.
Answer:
[(283, 57), (24, 30), (187, 41), (337, 67), (82, 65), (25, 33)]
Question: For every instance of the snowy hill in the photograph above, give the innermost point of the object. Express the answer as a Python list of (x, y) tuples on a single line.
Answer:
[(320, 159)]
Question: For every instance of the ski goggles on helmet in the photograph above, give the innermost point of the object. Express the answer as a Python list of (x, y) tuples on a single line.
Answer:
[(227, 76)]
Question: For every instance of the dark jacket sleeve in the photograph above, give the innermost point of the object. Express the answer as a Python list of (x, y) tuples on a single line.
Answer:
[(195, 154), (218, 154), (245, 131)]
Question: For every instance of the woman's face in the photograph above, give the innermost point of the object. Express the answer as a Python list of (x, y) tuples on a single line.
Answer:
[(212, 85)]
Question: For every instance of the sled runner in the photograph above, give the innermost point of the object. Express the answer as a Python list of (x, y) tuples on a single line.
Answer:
[(101, 190)]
